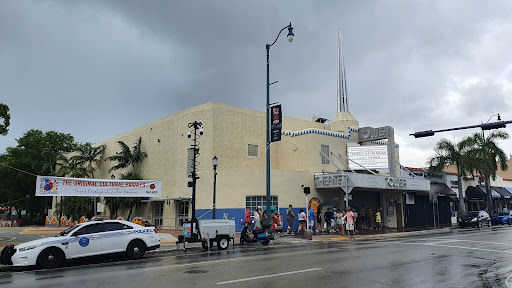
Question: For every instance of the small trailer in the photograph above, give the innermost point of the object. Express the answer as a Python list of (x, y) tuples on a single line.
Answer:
[(221, 231)]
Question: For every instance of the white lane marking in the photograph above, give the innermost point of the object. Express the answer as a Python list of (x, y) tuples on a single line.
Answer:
[(196, 263), (268, 276), (474, 241), (231, 259), (451, 246)]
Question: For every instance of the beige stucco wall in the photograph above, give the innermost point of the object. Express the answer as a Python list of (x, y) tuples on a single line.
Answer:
[(227, 132)]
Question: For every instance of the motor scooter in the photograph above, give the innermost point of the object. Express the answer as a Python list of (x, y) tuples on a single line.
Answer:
[(258, 235)]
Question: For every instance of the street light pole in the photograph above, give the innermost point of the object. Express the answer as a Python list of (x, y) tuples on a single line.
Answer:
[(215, 162), (197, 125), (267, 107)]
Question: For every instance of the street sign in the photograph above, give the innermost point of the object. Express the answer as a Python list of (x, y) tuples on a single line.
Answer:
[(349, 197)]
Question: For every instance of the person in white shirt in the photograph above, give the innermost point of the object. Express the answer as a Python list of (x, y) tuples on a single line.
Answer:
[(257, 221), (302, 221)]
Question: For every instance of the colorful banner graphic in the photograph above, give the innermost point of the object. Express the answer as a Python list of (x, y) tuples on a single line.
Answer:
[(61, 186)]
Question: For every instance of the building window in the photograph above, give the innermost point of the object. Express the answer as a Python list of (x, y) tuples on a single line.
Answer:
[(325, 150), (252, 202), (252, 150)]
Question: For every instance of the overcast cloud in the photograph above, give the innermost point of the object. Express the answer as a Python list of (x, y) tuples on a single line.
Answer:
[(96, 69)]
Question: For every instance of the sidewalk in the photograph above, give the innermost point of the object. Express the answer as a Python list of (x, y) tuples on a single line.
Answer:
[(168, 237)]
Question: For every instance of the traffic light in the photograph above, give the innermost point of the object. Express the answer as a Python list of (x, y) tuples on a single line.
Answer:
[(495, 125), (426, 133)]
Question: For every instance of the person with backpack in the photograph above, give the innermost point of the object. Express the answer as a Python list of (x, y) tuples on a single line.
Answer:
[(290, 216)]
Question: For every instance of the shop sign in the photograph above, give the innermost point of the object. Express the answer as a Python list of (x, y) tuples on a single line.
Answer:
[(371, 134), (276, 123), (393, 182)]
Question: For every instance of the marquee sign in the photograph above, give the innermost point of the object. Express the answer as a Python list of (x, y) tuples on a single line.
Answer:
[(370, 157), (62, 186)]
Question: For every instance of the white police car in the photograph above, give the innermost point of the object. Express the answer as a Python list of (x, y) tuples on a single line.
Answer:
[(83, 240)]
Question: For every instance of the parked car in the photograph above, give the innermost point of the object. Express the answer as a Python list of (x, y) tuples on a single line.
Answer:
[(504, 217), (83, 240), (475, 219)]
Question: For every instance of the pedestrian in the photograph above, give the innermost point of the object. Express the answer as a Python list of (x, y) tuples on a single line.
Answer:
[(369, 218), (257, 218), (350, 223), (311, 219), (327, 218), (318, 219), (378, 219), (302, 221), (339, 222), (333, 220), (290, 216), (273, 221), (247, 219)]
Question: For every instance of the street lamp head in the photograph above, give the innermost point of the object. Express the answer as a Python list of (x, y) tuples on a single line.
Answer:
[(189, 134), (499, 118), (201, 131), (215, 161), (290, 33)]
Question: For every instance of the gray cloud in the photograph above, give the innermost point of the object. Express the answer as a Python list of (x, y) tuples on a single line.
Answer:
[(98, 68)]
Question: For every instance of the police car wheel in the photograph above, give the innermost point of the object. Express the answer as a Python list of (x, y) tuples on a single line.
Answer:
[(136, 249), (50, 258), (223, 243)]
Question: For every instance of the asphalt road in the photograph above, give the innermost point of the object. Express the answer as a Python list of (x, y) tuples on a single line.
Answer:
[(463, 258)]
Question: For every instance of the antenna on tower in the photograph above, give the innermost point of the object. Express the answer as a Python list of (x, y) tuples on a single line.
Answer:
[(342, 100)]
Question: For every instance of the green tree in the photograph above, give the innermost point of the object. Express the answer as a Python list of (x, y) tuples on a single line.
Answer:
[(485, 155), (75, 207), (449, 153), (35, 154), (4, 114), (127, 158)]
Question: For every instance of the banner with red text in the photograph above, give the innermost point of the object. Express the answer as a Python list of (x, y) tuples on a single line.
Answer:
[(62, 186)]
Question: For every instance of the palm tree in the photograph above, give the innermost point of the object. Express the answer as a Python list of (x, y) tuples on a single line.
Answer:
[(486, 155), (128, 157), (70, 168), (124, 159), (88, 156), (449, 153)]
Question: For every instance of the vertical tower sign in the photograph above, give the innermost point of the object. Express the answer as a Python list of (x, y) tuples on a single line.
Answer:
[(276, 123)]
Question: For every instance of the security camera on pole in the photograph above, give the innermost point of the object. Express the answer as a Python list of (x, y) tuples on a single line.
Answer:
[(197, 125)]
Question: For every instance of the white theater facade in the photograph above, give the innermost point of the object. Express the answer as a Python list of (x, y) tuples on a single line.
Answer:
[(310, 154)]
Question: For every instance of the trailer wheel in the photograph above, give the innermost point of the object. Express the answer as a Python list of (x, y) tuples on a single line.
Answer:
[(223, 243), (205, 244)]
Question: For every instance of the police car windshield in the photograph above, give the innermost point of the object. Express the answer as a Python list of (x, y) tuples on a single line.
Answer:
[(67, 231)]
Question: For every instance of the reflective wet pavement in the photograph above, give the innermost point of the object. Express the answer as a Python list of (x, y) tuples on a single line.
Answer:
[(461, 258)]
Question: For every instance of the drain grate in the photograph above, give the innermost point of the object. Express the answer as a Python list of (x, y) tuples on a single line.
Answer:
[(196, 271)]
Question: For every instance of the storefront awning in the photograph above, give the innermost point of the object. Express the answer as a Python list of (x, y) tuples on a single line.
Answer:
[(441, 189), (502, 191), (493, 193), (473, 193)]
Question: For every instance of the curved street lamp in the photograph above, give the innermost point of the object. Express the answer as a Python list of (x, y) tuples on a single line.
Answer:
[(290, 39)]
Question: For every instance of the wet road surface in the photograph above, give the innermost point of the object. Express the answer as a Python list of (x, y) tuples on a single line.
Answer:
[(464, 258)]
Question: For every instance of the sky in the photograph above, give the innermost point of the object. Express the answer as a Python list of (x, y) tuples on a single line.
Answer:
[(96, 69)]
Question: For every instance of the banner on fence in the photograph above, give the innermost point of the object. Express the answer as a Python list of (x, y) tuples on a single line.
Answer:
[(62, 186)]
